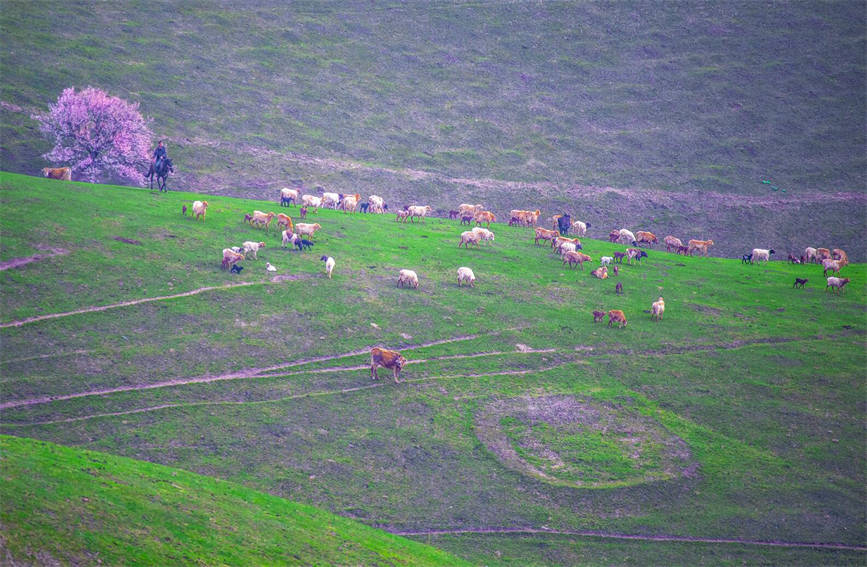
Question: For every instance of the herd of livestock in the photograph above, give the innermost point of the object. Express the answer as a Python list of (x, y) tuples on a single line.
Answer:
[(301, 236)]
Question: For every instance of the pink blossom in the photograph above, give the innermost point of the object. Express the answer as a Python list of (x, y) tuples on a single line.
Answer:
[(96, 134)]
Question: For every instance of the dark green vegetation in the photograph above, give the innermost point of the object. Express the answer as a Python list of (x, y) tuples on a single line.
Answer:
[(677, 105), (84, 507), (738, 417)]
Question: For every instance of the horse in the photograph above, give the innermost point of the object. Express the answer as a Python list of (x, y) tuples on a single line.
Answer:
[(161, 172)]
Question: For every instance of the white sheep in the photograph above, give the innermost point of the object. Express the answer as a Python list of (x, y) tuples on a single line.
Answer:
[(657, 309), (407, 277), (761, 255), (626, 237), (199, 209), (466, 275), (329, 265), (580, 228), (484, 234), (836, 284), (253, 247), (270, 267), (605, 260)]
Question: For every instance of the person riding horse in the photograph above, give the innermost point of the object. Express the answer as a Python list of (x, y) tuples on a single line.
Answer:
[(159, 155)]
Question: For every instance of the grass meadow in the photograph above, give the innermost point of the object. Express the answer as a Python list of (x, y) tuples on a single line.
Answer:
[(520, 428)]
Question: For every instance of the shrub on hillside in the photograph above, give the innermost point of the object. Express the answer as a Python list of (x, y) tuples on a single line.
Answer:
[(96, 134)]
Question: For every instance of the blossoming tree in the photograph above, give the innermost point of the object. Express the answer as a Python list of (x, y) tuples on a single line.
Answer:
[(97, 134)]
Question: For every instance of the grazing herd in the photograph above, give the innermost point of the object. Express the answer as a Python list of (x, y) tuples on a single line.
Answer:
[(301, 236)]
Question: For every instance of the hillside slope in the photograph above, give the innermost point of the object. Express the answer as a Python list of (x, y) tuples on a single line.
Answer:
[(518, 422), (63, 505), (427, 103)]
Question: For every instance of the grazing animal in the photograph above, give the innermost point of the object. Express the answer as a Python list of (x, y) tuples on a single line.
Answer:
[(635, 253), (683, 250), (617, 316), (484, 234), (574, 257), (303, 212), (469, 237), (800, 282), (580, 228), (236, 269), (407, 278), (811, 254), (184, 210), (306, 229), (657, 309), (644, 237), (672, 243), (250, 246), (840, 255), (525, 218), (605, 260), (700, 245), (616, 271), (466, 275), (387, 359), (262, 219), (761, 255), (453, 214), (563, 246), (331, 200), (61, 173), (248, 218), (365, 207), (747, 259), (619, 256), (467, 219), (311, 201), (329, 265), (822, 254), (514, 220), (618, 289), (564, 223), (484, 217), (230, 257), (467, 209), (836, 284), (270, 267), (626, 237), (199, 209), (419, 212), (544, 234), (614, 236), (289, 237), (794, 259), (402, 215), (600, 272), (288, 196), (598, 316), (284, 220), (302, 243), (377, 204), (349, 203), (832, 266)]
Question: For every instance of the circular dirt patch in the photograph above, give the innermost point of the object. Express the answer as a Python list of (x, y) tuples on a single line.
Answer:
[(571, 441)]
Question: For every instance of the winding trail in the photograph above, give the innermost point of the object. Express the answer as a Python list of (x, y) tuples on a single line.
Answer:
[(278, 370), (634, 537), (275, 279)]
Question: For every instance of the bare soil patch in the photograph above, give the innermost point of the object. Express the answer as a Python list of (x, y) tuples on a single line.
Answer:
[(18, 262)]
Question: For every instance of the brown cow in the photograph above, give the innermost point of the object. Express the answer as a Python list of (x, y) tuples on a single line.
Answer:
[(617, 316), (644, 237), (484, 217), (387, 359), (62, 173)]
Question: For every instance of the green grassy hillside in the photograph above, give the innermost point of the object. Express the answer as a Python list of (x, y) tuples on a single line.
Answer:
[(511, 104), (72, 507), (739, 417)]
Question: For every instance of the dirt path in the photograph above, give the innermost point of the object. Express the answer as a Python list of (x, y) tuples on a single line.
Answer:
[(278, 370), (17, 262), (634, 537), (275, 279), (250, 373)]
